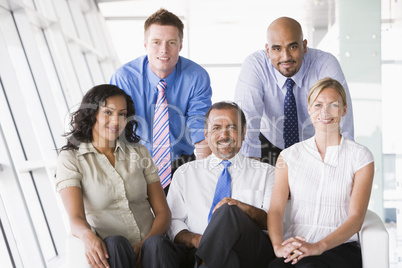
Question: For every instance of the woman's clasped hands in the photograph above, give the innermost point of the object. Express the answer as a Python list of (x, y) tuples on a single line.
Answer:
[(290, 249), (294, 249)]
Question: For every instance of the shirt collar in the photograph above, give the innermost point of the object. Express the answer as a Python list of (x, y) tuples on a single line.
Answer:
[(154, 79), (214, 161), (332, 154), (87, 147), (297, 78)]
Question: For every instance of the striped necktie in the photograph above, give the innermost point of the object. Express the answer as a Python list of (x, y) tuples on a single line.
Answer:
[(223, 187), (290, 125), (161, 140)]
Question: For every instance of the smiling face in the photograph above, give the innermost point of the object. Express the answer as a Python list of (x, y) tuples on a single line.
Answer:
[(327, 110), (224, 134), (163, 44), (111, 119), (285, 46)]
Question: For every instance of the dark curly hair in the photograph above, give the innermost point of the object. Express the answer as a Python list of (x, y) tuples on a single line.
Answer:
[(83, 120)]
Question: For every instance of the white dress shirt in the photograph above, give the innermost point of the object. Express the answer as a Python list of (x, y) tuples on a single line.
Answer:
[(193, 187), (261, 90), (321, 190)]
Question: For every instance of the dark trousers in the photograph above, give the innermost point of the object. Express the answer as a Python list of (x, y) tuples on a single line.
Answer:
[(233, 240), (156, 252), (347, 255), (177, 163), (269, 152)]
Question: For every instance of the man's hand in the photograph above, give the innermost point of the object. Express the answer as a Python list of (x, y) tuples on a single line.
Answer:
[(195, 241), (191, 240), (230, 202), (258, 215), (202, 150)]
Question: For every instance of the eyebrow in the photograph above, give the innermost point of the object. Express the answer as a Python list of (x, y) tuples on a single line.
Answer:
[(158, 39), (293, 43), (220, 125), (317, 101), (111, 108), (288, 45)]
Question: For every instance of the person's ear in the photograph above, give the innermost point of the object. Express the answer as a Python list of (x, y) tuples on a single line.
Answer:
[(206, 134), (345, 108), (267, 49), (305, 46)]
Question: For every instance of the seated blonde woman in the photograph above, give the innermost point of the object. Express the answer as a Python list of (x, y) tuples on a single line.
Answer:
[(329, 179), (108, 182)]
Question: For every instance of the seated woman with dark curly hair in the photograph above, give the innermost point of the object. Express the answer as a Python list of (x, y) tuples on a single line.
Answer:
[(109, 183)]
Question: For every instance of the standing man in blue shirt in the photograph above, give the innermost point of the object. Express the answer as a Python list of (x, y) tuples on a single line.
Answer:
[(187, 92), (262, 89)]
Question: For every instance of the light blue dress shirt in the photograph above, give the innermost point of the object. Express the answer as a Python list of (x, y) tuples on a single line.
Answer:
[(261, 89), (188, 95)]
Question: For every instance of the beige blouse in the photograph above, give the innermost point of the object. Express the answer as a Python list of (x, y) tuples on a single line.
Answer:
[(115, 198)]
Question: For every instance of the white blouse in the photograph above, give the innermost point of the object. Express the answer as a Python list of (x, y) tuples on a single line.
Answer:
[(321, 190)]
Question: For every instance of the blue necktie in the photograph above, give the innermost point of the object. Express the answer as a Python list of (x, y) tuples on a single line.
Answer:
[(223, 188), (290, 127)]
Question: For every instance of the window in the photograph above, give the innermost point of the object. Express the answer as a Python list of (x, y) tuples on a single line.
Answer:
[(46, 66)]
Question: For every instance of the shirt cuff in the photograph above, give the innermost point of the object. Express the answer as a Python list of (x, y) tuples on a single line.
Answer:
[(176, 227), (197, 137), (67, 183)]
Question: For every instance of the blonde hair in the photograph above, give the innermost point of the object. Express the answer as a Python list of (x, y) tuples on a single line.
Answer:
[(322, 84)]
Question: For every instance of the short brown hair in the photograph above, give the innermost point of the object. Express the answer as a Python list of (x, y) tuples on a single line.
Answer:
[(164, 17), (322, 84)]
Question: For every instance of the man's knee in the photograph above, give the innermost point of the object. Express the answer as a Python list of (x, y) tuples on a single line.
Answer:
[(227, 210)]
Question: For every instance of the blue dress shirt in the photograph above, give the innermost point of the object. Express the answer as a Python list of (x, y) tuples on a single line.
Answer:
[(261, 90), (188, 95)]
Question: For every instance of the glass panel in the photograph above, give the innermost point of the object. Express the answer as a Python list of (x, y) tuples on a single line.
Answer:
[(5, 256), (35, 143), (53, 98), (132, 32)]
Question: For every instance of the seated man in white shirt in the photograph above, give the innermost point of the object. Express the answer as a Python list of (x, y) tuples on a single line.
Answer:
[(232, 232)]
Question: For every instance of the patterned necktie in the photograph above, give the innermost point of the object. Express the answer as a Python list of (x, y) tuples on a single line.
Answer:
[(223, 188), (161, 140), (290, 125)]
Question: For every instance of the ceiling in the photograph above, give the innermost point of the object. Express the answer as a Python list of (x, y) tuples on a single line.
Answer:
[(209, 15)]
